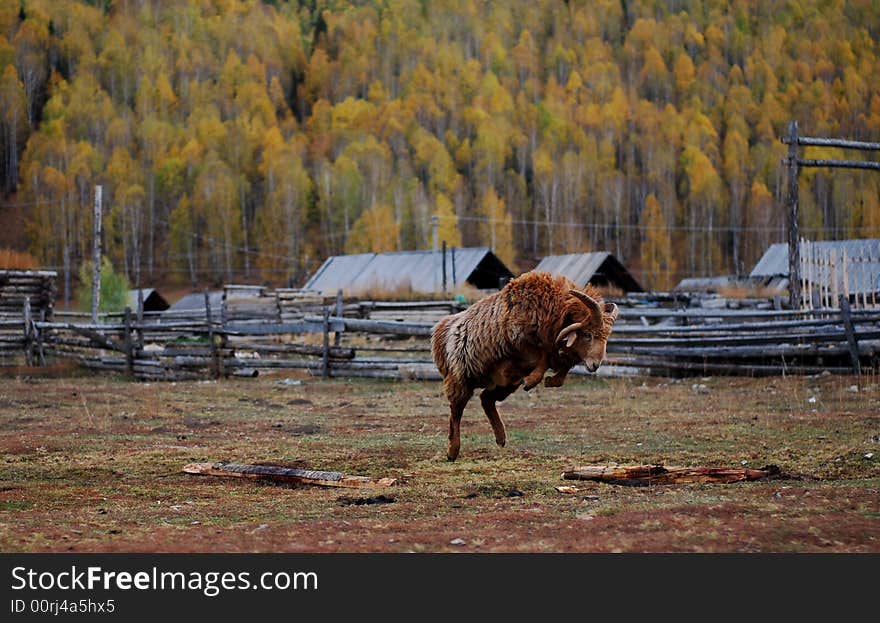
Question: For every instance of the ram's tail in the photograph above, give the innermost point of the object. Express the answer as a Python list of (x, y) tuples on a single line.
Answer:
[(438, 344)]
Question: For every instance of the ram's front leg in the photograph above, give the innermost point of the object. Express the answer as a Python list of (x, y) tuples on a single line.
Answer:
[(557, 379), (534, 377)]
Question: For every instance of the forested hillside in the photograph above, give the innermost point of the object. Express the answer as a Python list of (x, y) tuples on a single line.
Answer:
[(243, 140)]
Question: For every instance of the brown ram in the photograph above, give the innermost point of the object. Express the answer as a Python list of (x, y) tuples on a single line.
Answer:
[(511, 338)]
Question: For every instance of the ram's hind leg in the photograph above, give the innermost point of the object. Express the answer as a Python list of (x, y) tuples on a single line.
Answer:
[(458, 398), (488, 398)]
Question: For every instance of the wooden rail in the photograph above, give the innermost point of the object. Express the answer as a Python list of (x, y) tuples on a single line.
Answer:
[(654, 340)]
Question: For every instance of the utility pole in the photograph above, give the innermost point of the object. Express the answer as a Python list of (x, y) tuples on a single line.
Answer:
[(434, 248), (96, 256)]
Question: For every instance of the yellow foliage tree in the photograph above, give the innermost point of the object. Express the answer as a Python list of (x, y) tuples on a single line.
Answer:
[(375, 231), (447, 222), (496, 231), (658, 261)]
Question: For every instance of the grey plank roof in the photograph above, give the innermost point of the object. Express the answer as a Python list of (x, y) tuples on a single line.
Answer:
[(581, 268), (861, 276), (773, 263), (703, 284), (133, 296), (195, 302), (419, 270)]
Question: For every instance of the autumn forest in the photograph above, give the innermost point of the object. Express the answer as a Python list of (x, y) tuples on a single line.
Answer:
[(245, 141)]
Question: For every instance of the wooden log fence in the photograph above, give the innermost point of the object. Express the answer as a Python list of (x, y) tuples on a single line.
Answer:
[(794, 163), (666, 341), (749, 342)]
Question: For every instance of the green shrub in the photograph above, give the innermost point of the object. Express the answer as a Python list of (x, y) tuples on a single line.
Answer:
[(114, 288)]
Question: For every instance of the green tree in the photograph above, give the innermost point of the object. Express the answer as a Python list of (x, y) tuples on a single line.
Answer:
[(114, 288)]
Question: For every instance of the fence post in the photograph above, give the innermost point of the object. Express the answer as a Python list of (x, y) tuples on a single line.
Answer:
[(794, 263), (96, 256), (443, 264), (215, 368), (850, 335), (835, 289), (140, 317), (325, 367), (129, 347), (803, 260), (454, 281), (28, 333), (337, 337)]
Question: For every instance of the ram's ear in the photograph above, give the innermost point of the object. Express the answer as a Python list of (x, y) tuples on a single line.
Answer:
[(611, 311), (570, 340)]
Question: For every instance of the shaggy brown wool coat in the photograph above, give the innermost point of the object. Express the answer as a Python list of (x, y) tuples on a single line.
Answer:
[(509, 339)]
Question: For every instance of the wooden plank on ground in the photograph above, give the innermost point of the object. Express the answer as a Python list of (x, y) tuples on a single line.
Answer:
[(641, 475), (286, 474)]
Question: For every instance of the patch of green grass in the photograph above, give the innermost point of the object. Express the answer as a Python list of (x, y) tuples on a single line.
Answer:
[(15, 505)]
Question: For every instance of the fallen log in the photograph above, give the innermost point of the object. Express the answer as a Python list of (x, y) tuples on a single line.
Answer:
[(286, 474), (643, 475)]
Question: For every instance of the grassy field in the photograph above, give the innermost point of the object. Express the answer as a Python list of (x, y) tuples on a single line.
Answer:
[(94, 464)]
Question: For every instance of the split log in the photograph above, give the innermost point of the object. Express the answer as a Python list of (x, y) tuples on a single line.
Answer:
[(100, 338), (643, 475), (660, 366), (286, 474), (336, 352), (376, 326)]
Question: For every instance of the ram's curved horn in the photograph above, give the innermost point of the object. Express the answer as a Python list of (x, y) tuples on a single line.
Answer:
[(611, 311), (592, 305), (567, 330)]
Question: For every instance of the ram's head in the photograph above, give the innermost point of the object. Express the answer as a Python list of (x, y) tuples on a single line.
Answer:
[(585, 334)]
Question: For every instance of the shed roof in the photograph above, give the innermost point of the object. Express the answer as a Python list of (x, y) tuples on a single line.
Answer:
[(195, 302), (153, 301), (599, 268), (419, 270), (863, 274)]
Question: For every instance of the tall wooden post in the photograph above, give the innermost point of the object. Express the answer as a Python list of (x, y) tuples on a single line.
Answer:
[(325, 359), (96, 256), (127, 342), (140, 314), (454, 281), (850, 332), (435, 248), (28, 332), (337, 336), (443, 265), (794, 258), (209, 321)]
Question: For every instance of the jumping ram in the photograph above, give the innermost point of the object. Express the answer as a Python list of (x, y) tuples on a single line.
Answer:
[(511, 338)]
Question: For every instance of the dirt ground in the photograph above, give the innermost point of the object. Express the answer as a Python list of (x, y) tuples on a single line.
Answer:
[(93, 464)]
